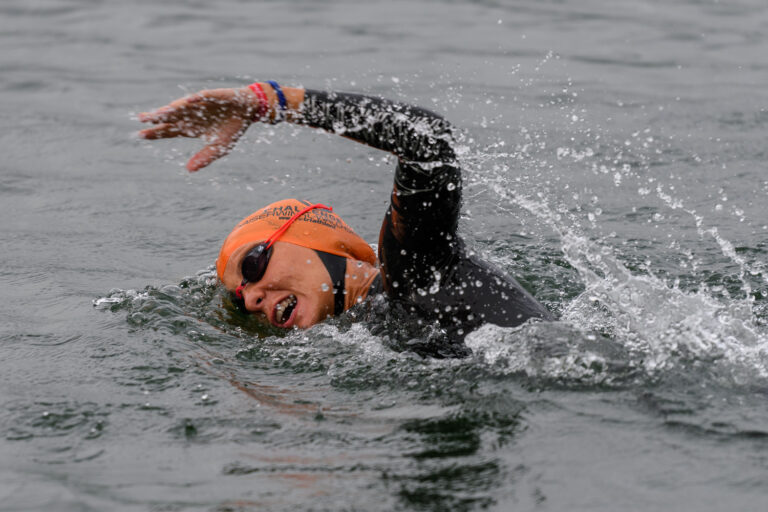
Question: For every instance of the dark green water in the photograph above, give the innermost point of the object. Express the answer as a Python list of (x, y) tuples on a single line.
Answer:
[(615, 163)]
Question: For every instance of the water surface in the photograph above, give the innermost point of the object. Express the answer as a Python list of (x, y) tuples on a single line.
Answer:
[(614, 158)]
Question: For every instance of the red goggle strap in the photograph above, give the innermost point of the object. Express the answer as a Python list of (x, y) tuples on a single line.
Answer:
[(277, 234)]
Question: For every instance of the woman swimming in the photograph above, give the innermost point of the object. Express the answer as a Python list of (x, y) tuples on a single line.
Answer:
[(294, 263)]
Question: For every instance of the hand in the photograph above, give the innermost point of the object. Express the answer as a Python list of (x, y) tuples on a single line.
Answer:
[(218, 116)]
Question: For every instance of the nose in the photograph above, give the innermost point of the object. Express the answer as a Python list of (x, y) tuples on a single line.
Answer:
[(253, 297)]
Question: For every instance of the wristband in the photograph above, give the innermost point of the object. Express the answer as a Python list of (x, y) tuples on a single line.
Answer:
[(280, 96), (263, 101)]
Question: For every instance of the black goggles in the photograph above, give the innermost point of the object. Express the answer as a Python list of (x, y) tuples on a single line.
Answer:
[(254, 265)]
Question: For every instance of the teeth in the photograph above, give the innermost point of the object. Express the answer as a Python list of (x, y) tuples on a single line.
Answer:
[(285, 308)]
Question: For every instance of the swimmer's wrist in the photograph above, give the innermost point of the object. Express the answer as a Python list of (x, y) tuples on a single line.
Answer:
[(294, 97)]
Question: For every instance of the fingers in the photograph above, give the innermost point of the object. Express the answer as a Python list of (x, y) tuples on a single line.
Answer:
[(172, 112), (161, 115), (177, 109), (226, 138), (218, 112), (162, 131)]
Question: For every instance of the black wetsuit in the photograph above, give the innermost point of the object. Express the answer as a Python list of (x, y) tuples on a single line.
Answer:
[(426, 271)]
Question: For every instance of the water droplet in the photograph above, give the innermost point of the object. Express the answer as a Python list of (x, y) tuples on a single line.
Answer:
[(395, 284), (451, 186), (325, 287)]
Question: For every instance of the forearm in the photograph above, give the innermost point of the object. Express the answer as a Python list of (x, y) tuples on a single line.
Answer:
[(412, 133)]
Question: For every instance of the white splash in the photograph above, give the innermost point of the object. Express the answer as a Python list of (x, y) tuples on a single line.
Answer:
[(661, 324)]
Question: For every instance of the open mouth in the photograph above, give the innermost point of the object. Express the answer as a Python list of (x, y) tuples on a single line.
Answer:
[(284, 309)]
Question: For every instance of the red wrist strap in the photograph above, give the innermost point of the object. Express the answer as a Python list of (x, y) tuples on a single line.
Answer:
[(263, 101)]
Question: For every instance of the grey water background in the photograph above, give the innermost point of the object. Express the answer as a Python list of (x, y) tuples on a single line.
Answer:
[(615, 163)]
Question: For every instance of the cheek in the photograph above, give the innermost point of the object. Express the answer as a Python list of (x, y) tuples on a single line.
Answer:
[(318, 305), (317, 302), (314, 280)]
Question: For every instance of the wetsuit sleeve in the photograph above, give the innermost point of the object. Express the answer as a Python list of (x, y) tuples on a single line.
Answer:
[(419, 229)]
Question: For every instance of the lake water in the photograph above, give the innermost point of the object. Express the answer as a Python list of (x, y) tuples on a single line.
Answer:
[(614, 158)]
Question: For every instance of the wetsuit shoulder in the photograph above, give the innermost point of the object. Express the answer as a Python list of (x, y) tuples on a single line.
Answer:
[(425, 268)]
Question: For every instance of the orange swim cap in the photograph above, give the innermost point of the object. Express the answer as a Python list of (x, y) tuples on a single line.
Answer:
[(317, 229)]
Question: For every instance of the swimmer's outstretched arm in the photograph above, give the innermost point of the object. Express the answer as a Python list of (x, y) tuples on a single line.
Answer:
[(221, 116)]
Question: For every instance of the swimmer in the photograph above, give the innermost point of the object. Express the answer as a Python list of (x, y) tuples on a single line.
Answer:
[(294, 263)]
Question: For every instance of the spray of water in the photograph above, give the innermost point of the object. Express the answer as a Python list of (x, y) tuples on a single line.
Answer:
[(662, 324)]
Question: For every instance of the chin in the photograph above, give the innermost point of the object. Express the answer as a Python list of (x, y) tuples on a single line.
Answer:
[(303, 323)]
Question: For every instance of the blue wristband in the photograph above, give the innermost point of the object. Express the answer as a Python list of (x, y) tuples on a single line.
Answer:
[(280, 95)]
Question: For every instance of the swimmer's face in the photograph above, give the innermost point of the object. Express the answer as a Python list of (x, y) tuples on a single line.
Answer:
[(295, 291)]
